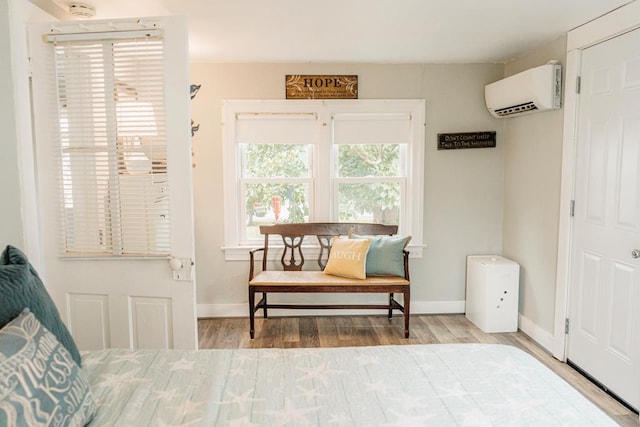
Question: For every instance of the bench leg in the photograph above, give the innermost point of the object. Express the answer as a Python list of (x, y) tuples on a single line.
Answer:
[(252, 311), (407, 298), (264, 310), (390, 305)]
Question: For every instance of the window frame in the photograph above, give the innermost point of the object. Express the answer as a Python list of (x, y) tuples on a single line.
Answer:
[(324, 179)]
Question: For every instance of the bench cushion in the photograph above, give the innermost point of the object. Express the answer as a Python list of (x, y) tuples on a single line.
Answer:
[(318, 278)]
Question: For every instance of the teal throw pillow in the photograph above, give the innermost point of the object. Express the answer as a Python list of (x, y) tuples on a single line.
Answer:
[(385, 256), (40, 384), (20, 288)]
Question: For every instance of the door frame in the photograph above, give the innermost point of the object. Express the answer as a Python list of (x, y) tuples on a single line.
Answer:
[(619, 21)]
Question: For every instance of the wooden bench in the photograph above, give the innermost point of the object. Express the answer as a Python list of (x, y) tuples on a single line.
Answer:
[(293, 279)]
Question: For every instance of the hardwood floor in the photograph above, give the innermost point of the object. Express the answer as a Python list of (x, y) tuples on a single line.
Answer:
[(343, 331)]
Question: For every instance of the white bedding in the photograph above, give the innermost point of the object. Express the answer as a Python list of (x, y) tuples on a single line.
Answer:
[(412, 385)]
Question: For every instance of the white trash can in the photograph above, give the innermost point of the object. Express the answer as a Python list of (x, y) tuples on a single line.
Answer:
[(492, 293)]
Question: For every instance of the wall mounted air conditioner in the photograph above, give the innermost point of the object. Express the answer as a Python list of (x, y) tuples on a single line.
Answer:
[(531, 91)]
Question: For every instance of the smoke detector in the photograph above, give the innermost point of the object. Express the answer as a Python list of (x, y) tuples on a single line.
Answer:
[(82, 10)]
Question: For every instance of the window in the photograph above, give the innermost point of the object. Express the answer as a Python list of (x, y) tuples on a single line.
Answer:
[(276, 169), (370, 171), (112, 143), (302, 161)]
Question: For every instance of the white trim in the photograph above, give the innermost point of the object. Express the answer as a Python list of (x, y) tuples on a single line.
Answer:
[(24, 135), (105, 35), (614, 23), (567, 188), (438, 307), (242, 310), (536, 333), (618, 21)]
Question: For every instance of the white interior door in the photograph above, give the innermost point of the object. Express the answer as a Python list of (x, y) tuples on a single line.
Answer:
[(116, 301), (604, 332)]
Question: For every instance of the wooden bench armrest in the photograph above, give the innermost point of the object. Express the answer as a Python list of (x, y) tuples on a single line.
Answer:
[(252, 253), (405, 254)]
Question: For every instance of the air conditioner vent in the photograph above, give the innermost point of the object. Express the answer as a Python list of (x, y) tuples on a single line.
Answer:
[(508, 111)]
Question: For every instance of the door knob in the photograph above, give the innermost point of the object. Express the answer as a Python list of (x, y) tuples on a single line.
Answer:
[(635, 253)]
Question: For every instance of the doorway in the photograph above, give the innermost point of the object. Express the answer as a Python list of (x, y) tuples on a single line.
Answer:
[(604, 290)]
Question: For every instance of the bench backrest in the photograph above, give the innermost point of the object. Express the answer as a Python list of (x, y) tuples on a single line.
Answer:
[(293, 235)]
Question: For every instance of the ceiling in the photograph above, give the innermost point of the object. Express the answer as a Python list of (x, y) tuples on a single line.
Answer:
[(380, 31)]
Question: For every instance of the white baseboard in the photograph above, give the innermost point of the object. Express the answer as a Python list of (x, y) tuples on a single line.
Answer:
[(437, 307), (536, 333), (242, 310), (223, 310)]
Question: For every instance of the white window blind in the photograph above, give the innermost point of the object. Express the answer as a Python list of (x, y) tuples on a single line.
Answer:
[(372, 128), (276, 128), (112, 143)]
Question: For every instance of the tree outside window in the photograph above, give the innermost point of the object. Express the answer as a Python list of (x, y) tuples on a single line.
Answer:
[(281, 202), (378, 198)]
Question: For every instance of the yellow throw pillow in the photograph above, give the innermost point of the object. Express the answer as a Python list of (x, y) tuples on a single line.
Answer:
[(348, 258)]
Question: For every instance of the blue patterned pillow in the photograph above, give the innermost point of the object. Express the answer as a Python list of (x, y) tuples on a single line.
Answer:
[(40, 384), (385, 257), (20, 288)]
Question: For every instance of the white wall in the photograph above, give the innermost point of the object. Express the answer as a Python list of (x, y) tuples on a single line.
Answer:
[(463, 188), (11, 228), (532, 175)]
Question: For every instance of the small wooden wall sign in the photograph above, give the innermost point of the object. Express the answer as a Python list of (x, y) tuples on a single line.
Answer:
[(453, 141), (321, 87)]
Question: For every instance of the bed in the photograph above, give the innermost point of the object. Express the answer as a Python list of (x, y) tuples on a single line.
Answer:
[(46, 381), (409, 385)]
